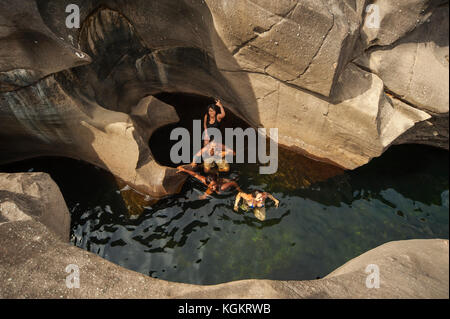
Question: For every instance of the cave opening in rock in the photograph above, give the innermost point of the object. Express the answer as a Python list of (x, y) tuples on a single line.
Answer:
[(189, 107)]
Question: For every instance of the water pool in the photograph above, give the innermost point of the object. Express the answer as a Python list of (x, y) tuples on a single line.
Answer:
[(326, 216)]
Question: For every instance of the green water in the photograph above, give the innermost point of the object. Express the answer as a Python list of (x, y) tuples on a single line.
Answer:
[(325, 218)]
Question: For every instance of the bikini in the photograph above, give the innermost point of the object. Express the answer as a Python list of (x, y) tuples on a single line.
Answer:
[(251, 205), (263, 198)]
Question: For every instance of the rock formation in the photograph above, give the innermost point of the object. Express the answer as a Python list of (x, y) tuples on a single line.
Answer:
[(34, 196), (335, 87)]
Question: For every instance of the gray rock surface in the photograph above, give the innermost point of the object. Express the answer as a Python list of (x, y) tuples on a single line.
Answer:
[(303, 43), (416, 67), (397, 19), (29, 50), (34, 196)]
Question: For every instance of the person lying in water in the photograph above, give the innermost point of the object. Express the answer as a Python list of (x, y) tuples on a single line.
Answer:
[(213, 118), (213, 154), (214, 183), (255, 201)]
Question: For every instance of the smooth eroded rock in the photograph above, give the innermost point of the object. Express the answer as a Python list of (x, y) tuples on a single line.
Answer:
[(34, 196)]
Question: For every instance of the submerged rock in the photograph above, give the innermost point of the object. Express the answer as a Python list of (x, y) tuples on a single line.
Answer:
[(336, 89)]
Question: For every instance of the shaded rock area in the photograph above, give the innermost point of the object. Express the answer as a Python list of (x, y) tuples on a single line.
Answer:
[(29, 50), (34, 258), (336, 88), (34, 196)]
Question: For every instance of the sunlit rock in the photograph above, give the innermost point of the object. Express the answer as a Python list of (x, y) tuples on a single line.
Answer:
[(396, 19)]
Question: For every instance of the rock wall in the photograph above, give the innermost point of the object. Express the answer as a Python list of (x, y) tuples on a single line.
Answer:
[(335, 88)]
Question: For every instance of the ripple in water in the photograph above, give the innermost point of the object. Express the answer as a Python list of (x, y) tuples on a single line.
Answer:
[(326, 217)]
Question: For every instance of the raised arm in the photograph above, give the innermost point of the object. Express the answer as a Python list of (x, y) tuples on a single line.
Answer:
[(276, 201), (193, 174), (229, 184), (222, 110), (227, 150), (205, 127)]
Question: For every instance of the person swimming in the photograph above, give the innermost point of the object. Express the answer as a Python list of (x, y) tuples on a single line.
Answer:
[(213, 154), (255, 201), (214, 183), (212, 119)]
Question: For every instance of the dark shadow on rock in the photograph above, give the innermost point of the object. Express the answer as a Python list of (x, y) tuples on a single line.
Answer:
[(401, 168)]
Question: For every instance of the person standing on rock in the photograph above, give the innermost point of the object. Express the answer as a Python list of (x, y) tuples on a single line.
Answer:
[(213, 118)]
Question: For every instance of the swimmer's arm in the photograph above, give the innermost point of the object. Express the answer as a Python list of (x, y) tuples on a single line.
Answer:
[(222, 111), (228, 151), (228, 184), (236, 202), (208, 192), (193, 174), (276, 201)]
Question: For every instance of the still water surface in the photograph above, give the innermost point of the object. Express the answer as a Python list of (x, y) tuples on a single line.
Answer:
[(326, 216)]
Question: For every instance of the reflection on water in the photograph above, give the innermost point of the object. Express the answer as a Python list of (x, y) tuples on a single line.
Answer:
[(326, 217)]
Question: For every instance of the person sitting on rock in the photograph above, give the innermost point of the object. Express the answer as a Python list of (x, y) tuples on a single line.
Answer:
[(214, 183), (213, 154), (212, 119), (255, 201)]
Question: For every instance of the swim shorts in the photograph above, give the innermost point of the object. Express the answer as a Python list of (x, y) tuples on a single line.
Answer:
[(222, 164), (259, 212)]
